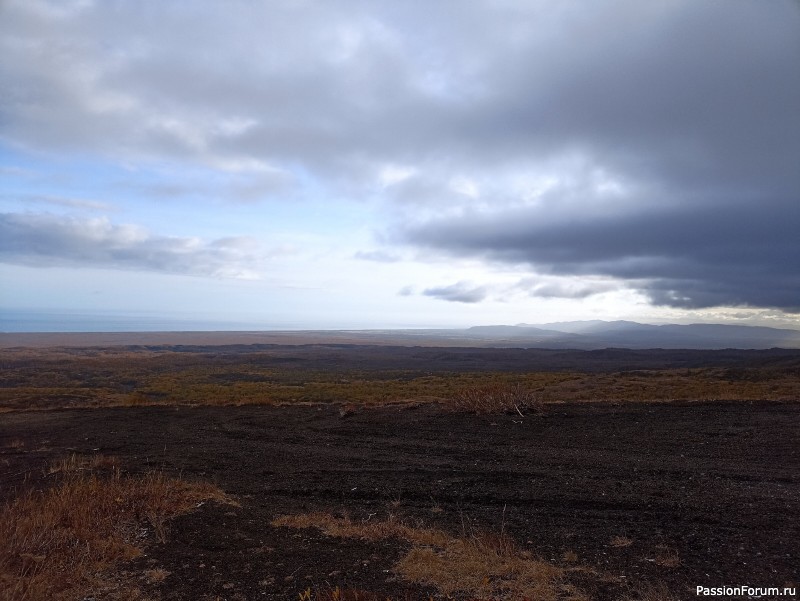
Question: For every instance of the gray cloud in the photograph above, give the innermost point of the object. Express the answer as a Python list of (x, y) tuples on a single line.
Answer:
[(657, 91), (557, 288), (43, 240), (461, 292)]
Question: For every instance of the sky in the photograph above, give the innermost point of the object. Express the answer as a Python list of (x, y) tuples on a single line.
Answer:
[(299, 164)]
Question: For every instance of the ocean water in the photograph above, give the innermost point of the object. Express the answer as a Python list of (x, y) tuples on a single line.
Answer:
[(74, 321)]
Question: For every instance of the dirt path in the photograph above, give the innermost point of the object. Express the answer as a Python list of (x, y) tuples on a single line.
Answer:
[(697, 493)]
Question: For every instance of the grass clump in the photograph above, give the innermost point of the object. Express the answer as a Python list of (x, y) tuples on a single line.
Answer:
[(479, 565), (652, 592), (349, 594), (496, 398), (620, 542), (62, 542), (345, 527), (76, 463)]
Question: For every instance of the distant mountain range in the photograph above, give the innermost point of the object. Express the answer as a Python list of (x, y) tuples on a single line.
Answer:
[(577, 335), (630, 334)]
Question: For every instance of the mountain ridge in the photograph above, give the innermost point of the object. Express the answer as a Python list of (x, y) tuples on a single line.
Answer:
[(630, 334)]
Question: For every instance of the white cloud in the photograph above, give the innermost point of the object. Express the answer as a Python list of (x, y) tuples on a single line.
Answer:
[(43, 240)]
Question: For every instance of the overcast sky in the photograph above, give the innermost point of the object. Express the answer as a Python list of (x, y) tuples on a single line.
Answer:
[(385, 164)]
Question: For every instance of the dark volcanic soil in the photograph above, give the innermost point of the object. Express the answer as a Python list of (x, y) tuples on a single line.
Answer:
[(713, 485)]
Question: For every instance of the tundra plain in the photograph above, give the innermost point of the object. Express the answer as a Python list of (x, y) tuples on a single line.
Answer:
[(346, 471)]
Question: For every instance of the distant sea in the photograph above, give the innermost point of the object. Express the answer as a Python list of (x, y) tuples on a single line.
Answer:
[(74, 321)]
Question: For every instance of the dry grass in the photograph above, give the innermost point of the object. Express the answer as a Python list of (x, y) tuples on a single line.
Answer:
[(156, 575), (667, 557), (479, 565), (620, 542), (369, 530), (477, 569), (653, 592), (496, 398), (53, 378), (569, 556), (348, 594), (61, 542), (76, 463)]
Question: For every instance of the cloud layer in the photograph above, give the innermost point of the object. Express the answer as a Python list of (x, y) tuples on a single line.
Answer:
[(653, 143)]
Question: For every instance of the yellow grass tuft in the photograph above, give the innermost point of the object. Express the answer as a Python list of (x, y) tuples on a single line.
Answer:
[(620, 542), (473, 568), (56, 544), (481, 566), (368, 530)]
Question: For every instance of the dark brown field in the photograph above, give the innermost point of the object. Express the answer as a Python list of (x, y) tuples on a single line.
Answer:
[(624, 498)]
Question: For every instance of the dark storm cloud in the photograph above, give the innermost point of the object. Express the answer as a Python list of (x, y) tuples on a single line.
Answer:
[(685, 257), (45, 240)]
